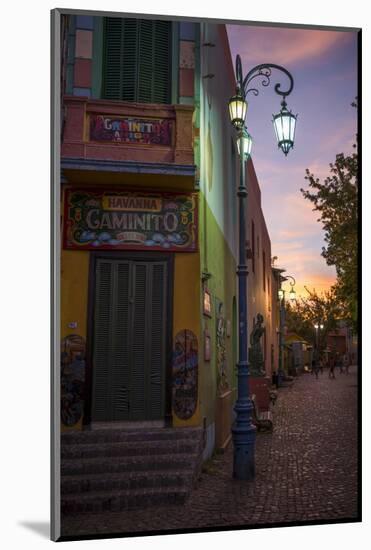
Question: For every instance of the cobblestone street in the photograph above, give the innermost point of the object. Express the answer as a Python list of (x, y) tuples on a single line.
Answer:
[(305, 470)]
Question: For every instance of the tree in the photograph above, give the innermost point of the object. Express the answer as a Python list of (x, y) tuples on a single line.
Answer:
[(336, 199), (314, 309)]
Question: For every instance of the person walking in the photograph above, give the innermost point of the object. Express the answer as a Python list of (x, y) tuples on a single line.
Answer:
[(316, 370), (321, 365), (339, 363), (313, 366), (331, 372), (346, 363)]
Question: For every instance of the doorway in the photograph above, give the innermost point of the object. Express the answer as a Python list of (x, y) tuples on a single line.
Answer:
[(129, 337)]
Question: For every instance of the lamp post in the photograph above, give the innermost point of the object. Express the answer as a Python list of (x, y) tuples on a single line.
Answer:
[(243, 430), (318, 326), (281, 299)]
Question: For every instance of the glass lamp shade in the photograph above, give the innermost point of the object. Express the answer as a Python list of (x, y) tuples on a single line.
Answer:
[(280, 294), (321, 327), (316, 326), (284, 125), (244, 143), (292, 294), (237, 110)]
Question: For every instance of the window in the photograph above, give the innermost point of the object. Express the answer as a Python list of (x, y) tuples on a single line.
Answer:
[(137, 60)]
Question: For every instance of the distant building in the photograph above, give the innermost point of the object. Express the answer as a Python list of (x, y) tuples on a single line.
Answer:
[(298, 353), (342, 341), (262, 291)]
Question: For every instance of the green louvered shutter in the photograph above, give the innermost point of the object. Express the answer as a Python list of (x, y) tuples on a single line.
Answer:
[(121, 344), (148, 341), (129, 351), (112, 54), (145, 62), (102, 356), (162, 62), (137, 60), (139, 351), (157, 367), (128, 65), (111, 369)]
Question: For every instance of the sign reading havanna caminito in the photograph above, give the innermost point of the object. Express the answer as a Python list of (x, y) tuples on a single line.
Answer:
[(109, 219)]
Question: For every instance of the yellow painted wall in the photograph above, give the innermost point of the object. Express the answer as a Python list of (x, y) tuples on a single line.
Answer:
[(186, 312), (74, 291), (74, 299)]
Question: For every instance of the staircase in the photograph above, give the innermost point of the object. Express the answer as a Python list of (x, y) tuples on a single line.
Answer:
[(113, 470)]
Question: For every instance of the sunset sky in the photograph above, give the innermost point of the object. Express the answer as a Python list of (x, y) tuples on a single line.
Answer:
[(324, 67)]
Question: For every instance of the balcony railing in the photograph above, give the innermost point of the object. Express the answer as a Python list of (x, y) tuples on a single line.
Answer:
[(118, 131)]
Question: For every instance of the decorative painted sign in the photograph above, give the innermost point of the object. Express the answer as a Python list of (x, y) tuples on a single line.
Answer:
[(207, 345), (72, 379), (96, 219), (130, 130), (185, 374), (221, 354), (207, 302)]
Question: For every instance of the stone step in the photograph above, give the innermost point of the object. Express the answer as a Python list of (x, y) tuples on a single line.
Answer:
[(103, 465), (122, 435), (118, 500), (129, 448), (80, 484)]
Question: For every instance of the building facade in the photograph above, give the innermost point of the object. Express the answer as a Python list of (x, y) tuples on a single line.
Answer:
[(149, 172), (342, 342)]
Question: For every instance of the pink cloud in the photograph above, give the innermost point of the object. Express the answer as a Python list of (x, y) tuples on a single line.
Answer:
[(302, 259), (296, 212), (341, 140), (314, 282), (283, 46), (290, 234)]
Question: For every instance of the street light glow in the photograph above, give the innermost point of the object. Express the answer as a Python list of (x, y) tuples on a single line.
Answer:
[(237, 110), (244, 143), (284, 125), (292, 295)]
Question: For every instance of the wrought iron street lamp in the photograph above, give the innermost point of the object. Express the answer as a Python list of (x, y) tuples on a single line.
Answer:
[(237, 110), (318, 326), (243, 430), (244, 143), (292, 293), (284, 124)]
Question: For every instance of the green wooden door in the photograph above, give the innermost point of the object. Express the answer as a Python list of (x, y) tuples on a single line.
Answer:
[(129, 348)]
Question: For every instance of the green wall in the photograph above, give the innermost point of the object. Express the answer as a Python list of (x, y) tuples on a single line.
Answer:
[(217, 260)]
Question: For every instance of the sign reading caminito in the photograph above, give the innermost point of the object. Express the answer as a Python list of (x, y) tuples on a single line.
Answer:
[(130, 130), (95, 219)]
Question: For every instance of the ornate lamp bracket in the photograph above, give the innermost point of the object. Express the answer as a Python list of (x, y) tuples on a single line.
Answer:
[(264, 71)]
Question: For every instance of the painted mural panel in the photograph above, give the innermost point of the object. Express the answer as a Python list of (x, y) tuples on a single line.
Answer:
[(221, 352), (123, 220), (72, 379), (185, 374)]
